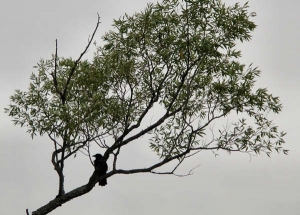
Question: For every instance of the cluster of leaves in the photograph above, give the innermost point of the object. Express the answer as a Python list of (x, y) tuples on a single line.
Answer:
[(182, 55), (77, 118), (177, 54)]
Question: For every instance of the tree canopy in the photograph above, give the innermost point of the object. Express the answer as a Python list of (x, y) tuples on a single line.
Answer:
[(177, 61)]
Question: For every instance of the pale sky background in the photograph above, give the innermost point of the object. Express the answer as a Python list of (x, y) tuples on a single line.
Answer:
[(227, 185)]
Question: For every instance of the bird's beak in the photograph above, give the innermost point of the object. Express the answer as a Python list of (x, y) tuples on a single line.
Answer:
[(94, 156)]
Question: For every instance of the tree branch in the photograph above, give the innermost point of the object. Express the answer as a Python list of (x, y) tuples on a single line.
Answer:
[(64, 94), (115, 158), (149, 169), (54, 73), (58, 201), (178, 175), (141, 133)]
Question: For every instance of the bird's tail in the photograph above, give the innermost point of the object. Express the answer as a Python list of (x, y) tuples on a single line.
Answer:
[(103, 182)]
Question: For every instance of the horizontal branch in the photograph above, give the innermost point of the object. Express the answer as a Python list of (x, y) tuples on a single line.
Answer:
[(149, 169), (215, 148)]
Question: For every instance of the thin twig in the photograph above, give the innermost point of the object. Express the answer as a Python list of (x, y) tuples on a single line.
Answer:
[(79, 58)]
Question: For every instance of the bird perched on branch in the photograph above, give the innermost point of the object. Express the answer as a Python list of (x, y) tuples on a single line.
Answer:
[(101, 167)]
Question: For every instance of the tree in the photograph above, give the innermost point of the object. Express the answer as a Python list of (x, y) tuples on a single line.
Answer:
[(178, 57)]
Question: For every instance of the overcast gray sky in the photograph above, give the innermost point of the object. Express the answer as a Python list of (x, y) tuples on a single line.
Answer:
[(227, 185)]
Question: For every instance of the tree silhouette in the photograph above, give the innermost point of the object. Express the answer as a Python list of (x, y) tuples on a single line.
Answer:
[(168, 74)]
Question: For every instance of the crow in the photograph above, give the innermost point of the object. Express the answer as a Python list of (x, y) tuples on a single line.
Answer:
[(101, 167)]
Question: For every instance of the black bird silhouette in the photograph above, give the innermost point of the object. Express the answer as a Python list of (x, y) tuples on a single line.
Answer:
[(101, 167)]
